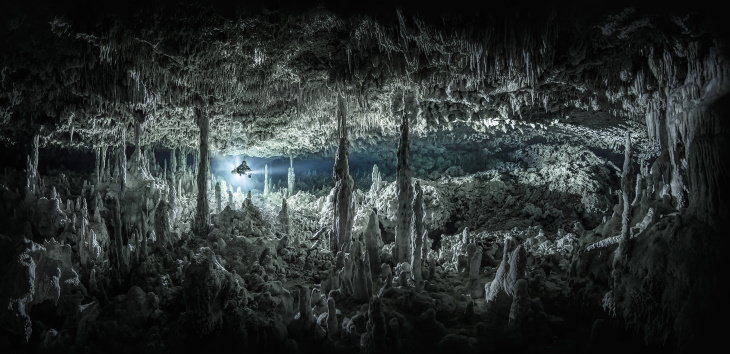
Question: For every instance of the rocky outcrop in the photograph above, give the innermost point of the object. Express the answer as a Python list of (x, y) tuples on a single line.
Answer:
[(500, 291), (40, 272), (208, 289)]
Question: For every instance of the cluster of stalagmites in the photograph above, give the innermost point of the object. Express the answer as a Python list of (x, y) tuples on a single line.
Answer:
[(140, 238), (226, 273)]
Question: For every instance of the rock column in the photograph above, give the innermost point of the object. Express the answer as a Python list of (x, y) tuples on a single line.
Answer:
[(202, 212)]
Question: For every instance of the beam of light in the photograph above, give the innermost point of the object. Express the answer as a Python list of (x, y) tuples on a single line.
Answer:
[(222, 167)]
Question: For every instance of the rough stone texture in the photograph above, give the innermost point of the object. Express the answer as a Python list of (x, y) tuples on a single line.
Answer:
[(344, 212), (404, 190), (291, 178), (373, 241), (418, 234), (202, 214), (515, 127), (40, 272), (207, 288)]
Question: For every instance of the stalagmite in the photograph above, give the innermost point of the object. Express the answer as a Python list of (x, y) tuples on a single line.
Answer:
[(290, 177), (104, 165), (32, 169), (97, 165), (404, 190), (344, 212), (622, 252), (373, 241), (377, 179), (173, 161), (267, 180), (305, 309), (172, 200), (507, 126), (475, 261), (520, 305), (373, 341), (138, 155), (283, 217), (333, 327), (202, 213), (417, 234), (122, 159), (182, 164), (218, 198)]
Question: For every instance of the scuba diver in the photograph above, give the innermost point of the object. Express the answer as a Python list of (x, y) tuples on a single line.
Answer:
[(242, 169)]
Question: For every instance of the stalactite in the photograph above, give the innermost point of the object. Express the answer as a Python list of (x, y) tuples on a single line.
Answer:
[(344, 212), (404, 190), (202, 213), (290, 177)]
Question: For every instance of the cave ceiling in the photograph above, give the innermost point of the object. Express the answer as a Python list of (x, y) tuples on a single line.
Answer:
[(269, 79)]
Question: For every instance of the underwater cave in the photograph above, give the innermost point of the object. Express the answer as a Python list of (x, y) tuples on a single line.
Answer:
[(375, 177)]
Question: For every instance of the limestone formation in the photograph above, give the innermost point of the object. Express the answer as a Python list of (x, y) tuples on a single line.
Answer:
[(290, 179), (417, 234), (373, 241), (333, 326), (218, 198), (202, 214), (403, 184), (267, 180), (439, 147), (283, 217), (343, 204)]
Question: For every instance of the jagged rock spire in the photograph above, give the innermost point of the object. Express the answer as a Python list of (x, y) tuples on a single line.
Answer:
[(290, 177), (267, 180), (218, 198), (122, 159), (283, 217), (202, 212), (344, 211), (404, 190), (417, 233)]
